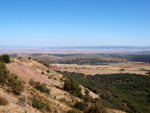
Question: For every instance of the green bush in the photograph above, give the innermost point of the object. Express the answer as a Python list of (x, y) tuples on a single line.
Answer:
[(39, 104), (16, 84)]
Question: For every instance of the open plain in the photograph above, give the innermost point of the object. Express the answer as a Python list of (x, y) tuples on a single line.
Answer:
[(128, 67)]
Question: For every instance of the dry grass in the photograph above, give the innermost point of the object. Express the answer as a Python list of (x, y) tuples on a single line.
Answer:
[(3, 101), (129, 67)]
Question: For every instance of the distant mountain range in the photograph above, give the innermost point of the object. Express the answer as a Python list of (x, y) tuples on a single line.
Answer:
[(75, 49)]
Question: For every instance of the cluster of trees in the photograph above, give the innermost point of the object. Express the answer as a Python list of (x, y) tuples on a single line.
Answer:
[(72, 86), (12, 82), (118, 91), (5, 58), (139, 58), (85, 108), (81, 61)]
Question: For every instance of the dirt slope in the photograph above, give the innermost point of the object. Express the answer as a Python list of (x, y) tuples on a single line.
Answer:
[(26, 73)]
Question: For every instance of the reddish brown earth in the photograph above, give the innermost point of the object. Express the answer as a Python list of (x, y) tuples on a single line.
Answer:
[(25, 73)]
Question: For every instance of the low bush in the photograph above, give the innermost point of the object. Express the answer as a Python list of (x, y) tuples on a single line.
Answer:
[(61, 79), (74, 111), (32, 82), (62, 100), (42, 88), (42, 73), (47, 107), (29, 57), (39, 86), (96, 108), (22, 98), (48, 71), (16, 84), (81, 105)]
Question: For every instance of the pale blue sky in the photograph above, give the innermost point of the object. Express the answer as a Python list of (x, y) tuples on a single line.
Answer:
[(74, 22)]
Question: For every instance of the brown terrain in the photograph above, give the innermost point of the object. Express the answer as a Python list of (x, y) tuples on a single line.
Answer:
[(129, 67)]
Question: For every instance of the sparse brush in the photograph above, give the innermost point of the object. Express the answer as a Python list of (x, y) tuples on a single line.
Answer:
[(48, 107), (3, 101), (74, 111)]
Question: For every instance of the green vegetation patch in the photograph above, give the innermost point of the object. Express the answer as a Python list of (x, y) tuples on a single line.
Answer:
[(41, 87), (14, 84), (127, 92)]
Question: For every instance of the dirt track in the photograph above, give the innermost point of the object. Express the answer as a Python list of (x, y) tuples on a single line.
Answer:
[(26, 73)]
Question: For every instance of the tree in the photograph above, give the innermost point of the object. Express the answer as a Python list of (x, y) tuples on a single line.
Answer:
[(72, 86)]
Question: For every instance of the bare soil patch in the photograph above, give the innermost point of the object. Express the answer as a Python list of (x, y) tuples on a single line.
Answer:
[(25, 73)]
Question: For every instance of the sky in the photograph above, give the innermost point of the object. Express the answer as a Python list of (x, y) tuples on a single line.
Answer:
[(57, 23)]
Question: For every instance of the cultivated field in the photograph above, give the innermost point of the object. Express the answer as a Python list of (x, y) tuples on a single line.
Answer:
[(129, 67)]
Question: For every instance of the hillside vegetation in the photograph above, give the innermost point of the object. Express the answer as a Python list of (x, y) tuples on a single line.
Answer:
[(19, 95), (127, 92)]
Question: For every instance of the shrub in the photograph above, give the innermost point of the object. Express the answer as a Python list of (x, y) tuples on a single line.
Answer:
[(61, 79), (29, 57), (74, 111), (48, 71), (42, 73), (55, 78), (62, 100), (47, 107), (39, 104), (87, 98), (96, 108), (81, 105), (3, 101), (16, 84), (32, 82), (22, 98), (42, 88)]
